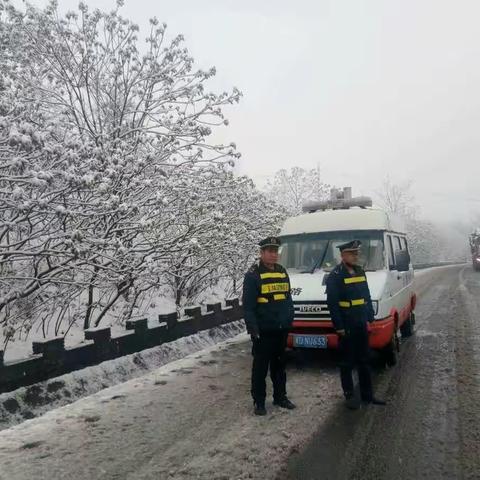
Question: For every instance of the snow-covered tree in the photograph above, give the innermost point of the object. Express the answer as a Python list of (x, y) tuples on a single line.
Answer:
[(248, 216), (220, 235), (292, 188), (100, 148), (425, 242), (200, 230)]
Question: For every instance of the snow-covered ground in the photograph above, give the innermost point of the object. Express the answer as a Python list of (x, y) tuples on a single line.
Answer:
[(28, 402), (190, 419)]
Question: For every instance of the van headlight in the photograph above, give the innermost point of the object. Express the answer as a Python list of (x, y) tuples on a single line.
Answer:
[(375, 306)]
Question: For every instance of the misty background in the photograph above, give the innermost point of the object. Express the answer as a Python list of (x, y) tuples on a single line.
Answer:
[(362, 90)]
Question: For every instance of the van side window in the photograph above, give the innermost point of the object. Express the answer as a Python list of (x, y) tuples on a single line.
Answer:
[(404, 243), (398, 245), (391, 257)]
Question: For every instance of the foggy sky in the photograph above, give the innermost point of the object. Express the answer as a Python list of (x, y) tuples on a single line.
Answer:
[(361, 88)]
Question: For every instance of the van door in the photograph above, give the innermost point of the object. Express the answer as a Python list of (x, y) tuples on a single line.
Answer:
[(394, 287), (403, 292), (408, 277)]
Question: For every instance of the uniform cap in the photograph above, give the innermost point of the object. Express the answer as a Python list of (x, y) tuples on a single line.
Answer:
[(269, 242), (352, 246)]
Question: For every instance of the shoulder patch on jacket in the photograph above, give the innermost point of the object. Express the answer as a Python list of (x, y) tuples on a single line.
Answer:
[(253, 268), (336, 270)]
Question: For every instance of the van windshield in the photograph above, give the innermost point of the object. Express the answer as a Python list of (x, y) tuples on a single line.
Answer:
[(309, 252)]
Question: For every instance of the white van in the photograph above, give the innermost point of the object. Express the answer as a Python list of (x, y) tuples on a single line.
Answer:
[(309, 253)]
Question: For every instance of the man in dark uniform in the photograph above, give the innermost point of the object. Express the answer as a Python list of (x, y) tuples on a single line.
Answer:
[(350, 306), (268, 310)]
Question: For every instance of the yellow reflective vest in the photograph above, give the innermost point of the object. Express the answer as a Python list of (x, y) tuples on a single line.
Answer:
[(267, 302)]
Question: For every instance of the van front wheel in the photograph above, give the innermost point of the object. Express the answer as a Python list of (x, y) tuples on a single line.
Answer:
[(389, 353)]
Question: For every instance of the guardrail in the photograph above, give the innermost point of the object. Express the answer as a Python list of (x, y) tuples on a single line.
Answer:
[(421, 266), (50, 357)]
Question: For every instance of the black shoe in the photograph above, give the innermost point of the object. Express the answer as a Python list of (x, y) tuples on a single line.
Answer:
[(284, 403), (375, 401), (259, 409), (352, 403)]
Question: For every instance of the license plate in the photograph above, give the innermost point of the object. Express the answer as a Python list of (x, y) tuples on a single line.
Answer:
[(310, 341)]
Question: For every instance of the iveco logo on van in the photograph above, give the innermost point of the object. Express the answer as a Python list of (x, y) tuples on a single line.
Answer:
[(309, 308)]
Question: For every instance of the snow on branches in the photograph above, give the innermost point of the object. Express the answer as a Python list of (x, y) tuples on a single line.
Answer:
[(292, 188), (110, 189)]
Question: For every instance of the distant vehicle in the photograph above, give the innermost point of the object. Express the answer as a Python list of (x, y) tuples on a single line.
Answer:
[(309, 253), (475, 249)]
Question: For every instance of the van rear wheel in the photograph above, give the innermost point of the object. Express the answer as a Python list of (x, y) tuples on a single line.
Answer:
[(407, 327)]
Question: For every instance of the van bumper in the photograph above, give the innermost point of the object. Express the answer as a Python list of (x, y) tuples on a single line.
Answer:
[(379, 332)]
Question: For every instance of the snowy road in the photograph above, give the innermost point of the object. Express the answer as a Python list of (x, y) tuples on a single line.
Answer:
[(192, 419), (431, 427)]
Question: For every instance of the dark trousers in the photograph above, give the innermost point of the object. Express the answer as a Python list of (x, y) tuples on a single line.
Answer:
[(269, 351), (354, 353)]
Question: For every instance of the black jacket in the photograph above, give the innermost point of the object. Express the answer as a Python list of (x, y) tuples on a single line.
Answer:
[(267, 301), (348, 298)]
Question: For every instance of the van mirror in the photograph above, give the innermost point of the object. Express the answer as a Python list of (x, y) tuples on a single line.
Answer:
[(402, 260)]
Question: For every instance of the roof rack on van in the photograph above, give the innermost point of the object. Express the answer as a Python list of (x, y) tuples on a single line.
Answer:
[(339, 199)]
